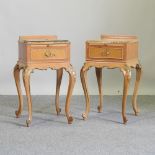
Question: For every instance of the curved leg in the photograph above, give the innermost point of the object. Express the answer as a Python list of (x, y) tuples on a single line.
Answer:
[(59, 78), (127, 76), (83, 75), (134, 98), (72, 78), (26, 79), (99, 81), (20, 97)]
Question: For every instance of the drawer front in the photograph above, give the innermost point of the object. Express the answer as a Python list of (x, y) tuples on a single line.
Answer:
[(48, 53), (100, 52)]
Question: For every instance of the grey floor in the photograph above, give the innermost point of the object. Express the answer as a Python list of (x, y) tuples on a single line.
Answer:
[(103, 133)]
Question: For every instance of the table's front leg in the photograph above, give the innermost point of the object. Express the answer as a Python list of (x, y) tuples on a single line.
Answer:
[(26, 80), (20, 97), (127, 76), (99, 81), (134, 98), (58, 83), (72, 78), (83, 75)]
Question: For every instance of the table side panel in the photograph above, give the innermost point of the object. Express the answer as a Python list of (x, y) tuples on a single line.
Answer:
[(22, 56), (132, 51)]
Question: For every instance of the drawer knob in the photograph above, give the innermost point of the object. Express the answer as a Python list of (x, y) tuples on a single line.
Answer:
[(107, 52)]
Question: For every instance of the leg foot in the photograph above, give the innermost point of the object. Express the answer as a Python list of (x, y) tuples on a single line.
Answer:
[(84, 115), (99, 108), (136, 113), (124, 120), (70, 120), (58, 111), (28, 122), (17, 113)]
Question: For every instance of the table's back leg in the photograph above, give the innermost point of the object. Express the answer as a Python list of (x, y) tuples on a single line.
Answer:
[(127, 76), (58, 83), (26, 80), (99, 81), (134, 98), (72, 79), (83, 75), (20, 97)]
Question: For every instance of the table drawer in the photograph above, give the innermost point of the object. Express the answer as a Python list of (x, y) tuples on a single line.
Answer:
[(48, 53), (101, 52)]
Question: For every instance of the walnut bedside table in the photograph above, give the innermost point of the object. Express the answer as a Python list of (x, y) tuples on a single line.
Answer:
[(112, 52), (43, 52)]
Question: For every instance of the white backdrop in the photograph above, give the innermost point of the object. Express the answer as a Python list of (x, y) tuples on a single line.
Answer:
[(77, 21)]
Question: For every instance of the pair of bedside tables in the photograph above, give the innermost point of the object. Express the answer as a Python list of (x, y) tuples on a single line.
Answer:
[(43, 52)]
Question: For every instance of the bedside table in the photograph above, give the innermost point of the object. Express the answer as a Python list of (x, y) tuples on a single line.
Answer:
[(112, 52), (43, 52)]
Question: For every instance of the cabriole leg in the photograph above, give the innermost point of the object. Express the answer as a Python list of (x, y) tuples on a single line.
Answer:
[(20, 97), (83, 75), (26, 80), (72, 78), (58, 83), (99, 81), (134, 98), (127, 76)]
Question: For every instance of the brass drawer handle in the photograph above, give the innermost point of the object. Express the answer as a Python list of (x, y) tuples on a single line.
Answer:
[(49, 54), (52, 55)]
